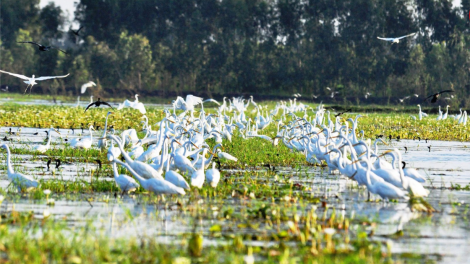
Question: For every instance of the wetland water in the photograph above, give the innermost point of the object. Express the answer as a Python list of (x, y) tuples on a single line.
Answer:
[(443, 236)]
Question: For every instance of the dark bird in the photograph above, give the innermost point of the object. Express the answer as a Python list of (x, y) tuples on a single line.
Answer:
[(75, 32), (35, 134), (398, 138), (57, 164), (99, 163), (436, 95), (338, 114), (98, 103), (6, 139), (404, 164), (42, 47), (429, 147), (406, 149)]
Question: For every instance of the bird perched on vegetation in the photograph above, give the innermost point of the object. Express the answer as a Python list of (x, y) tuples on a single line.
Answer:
[(396, 40), (436, 96), (32, 81), (98, 103), (42, 47)]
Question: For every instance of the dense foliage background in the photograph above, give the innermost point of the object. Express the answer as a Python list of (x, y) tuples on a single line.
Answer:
[(226, 47)]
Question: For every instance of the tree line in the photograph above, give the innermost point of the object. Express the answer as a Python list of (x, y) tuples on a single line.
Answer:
[(228, 47)]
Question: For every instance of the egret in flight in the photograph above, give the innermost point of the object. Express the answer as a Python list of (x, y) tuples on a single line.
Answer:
[(31, 81), (397, 40), (86, 85)]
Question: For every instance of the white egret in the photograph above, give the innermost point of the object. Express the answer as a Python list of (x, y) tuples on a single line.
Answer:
[(421, 113), (83, 143), (213, 176), (188, 104), (86, 85), (102, 142), (225, 156), (174, 177), (412, 173), (383, 189), (143, 169), (198, 176), (396, 40), (125, 183), (31, 81), (136, 105), (411, 185), (157, 186), (113, 152), (182, 163), (20, 180), (44, 148), (444, 117)]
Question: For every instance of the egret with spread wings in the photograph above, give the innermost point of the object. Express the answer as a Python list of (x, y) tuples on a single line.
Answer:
[(31, 81), (397, 40), (86, 85), (189, 104)]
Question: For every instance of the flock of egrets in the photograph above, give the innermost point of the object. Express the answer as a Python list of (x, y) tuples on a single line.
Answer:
[(176, 157)]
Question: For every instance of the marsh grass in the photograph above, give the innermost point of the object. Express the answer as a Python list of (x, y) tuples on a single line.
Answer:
[(251, 204)]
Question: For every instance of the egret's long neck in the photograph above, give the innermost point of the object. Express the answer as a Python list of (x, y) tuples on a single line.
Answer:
[(123, 152), (369, 184), (203, 159), (206, 161), (162, 157), (404, 182), (91, 134), (168, 164), (142, 181), (147, 133), (351, 148), (115, 170), (9, 166), (105, 126)]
